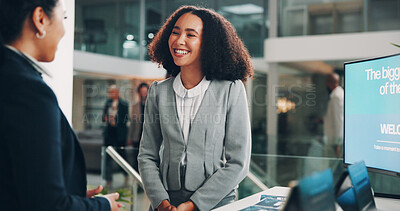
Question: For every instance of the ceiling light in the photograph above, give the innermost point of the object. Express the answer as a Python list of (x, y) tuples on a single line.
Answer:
[(243, 9)]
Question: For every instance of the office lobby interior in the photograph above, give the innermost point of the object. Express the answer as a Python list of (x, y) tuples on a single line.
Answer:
[(294, 45)]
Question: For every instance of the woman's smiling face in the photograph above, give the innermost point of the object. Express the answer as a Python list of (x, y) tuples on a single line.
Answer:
[(185, 41)]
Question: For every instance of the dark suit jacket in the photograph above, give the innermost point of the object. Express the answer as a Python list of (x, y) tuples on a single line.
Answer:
[(42, 164), (122, 118)]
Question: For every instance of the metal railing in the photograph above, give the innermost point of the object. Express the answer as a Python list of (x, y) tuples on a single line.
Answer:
[(256, 181), (130, 171), (125, 165), (135, 175)]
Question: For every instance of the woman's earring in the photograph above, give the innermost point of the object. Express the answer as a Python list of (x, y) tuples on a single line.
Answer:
[(41, 36)]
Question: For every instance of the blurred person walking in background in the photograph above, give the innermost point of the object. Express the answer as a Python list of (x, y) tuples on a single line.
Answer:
[(137, 117), (334, 118), (116, 116), (333, 125)]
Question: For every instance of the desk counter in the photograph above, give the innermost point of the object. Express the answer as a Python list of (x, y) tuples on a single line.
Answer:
[(384, 204)]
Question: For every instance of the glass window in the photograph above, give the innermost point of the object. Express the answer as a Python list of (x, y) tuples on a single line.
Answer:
[(155, 16), (299, 148), (301, 105), (90, 95), (108, 27), (250, 21), (259, 113), (302, 144), (113, 27), (310, 17), (130, 25), (175, 4), (383, 15)]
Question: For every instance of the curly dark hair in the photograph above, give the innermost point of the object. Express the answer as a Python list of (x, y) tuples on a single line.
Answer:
[(223, 54)]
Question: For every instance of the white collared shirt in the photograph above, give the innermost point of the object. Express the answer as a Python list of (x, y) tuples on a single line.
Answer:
[(188, 102), (31, 60)]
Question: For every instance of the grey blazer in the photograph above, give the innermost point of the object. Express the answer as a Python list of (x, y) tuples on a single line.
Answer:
[(218, 148)]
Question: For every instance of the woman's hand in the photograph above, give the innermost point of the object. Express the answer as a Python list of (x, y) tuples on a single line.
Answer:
[(112, 197), (91, 193), (187, 206), (166, 206)]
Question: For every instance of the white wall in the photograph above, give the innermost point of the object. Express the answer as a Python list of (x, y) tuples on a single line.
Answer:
[(348, 46), (61, 68), (111, 65)]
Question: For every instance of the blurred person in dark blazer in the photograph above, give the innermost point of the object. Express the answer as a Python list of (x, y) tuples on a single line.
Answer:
[(137, 117), (116, 116), (41, 161)]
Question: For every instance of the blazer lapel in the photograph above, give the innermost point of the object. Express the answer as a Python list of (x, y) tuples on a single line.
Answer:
[(174, 113), (203, 113)]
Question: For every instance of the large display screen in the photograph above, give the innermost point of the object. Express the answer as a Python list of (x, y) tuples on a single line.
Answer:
[(372, 113)]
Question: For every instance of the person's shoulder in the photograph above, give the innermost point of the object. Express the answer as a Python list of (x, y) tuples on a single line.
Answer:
[(165, 82), (229, 85), (136, 106), (14, 67), (227, 82), (123, 102), (338, 93), (20, 75), (161, 85), (108, 101)]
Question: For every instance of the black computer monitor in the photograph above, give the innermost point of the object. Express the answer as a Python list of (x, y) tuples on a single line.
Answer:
[(372, 114)]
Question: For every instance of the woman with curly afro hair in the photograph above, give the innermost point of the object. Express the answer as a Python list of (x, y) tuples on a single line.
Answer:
[(196, 141)]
